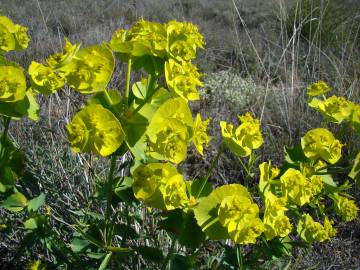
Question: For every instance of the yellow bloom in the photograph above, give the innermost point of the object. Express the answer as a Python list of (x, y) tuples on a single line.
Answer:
[(318, 88), (183, 40), (95, 129), (241, 218), (316, 184), (60, 59), (329, 228), (311, 231), (170, 142), (12, 36), (90, 70), (174, 192), (245, 137), (7, 40), (170, 130), (320, 143), (21, 37), (159, 185), (295, 187), (35, 265), (275, 221), (143, 38), (355, 117), (12, 84), (267, 174), (336, 109), (346, 208), (44, 78), (200, 136), (182, 79)]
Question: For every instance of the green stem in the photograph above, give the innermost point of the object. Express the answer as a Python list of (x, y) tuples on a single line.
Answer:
[(239, 257), (109, 187), (248, 174), (6, 127), (214, 162), (127, 82), (4, 135), (108, 98), (169, 255)]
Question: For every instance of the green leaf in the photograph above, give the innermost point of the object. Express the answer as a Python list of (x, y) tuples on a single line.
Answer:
[(184, 226), (180, 262), (34, 223), (191, 235), (105, 261), (195, 186), (152, 65), (355, 171), (79, 245), (15, 202), (124, 191), (329, 185), (150, 253), (28, 106), (11, 164), (25, 107), (95, 255), (295, 155), (36, 203), (111, 100), (30, 224), (139, 89), (126, 231)]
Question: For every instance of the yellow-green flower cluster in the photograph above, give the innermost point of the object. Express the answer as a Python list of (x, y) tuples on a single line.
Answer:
[(174, 42), (90, 70), (318, 88), (295, 187), (200, 137), (12, 83), (267, 175), (160, 185), (311, 231), (320, 143), (241, 218), (245, 138), (335, 109), (86, 70), (177, 40), (44, 78), (47, 78), (172, 128), (345, 207), (275, 221), (12, 36), (95, 129), (183, 79)]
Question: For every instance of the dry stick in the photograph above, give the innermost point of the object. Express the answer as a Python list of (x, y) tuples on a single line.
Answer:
[(46, 28), (257, 54)]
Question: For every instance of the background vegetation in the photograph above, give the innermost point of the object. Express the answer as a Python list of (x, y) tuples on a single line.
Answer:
[(260, 56)]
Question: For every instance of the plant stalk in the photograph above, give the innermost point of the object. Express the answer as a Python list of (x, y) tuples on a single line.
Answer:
[(109, 187), (214, 162), (239, 257), (169, 255), (127, 82), (6, 127)]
